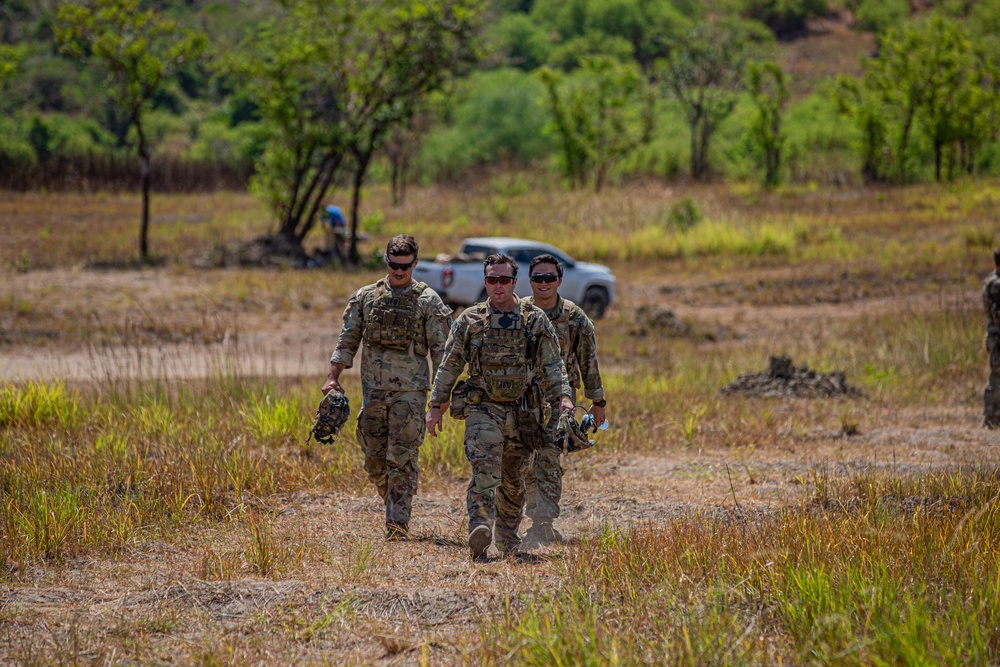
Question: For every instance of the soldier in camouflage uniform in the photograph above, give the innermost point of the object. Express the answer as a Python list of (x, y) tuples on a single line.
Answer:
[(991, 302), (504, 343), (578, 347), (401, 323)]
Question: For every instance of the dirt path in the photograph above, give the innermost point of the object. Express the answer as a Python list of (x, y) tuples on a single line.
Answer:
[(400, 603), (285, 342)]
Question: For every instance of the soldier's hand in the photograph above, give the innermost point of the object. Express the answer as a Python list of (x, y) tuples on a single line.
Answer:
[(332, 385), (433, 420), (333, 380), (598, 413), (565, 404)]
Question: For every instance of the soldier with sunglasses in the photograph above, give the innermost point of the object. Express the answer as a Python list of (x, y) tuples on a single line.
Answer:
[(578, 347), (402, 322), (505, 344)]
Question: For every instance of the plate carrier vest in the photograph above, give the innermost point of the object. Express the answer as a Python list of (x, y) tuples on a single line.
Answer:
[(393, 322), (503, 359)]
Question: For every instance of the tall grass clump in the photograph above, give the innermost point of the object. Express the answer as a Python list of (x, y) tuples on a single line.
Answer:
[(274, 419), (36, 403), (103, 469), (875, 569)]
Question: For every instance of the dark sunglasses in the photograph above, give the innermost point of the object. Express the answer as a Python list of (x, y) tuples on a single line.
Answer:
[(395, 266), (501, 280), (545, 277)]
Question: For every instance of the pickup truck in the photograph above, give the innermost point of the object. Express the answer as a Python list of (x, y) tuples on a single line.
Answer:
[(459, 278)]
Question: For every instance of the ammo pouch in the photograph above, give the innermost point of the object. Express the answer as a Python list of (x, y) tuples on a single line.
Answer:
[(529, 418), (530, 428), (463, 397), (459, 408)]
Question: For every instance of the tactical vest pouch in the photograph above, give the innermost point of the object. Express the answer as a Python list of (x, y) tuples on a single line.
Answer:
[(530, 428), (504, 364), (392, 321), (459, 408)]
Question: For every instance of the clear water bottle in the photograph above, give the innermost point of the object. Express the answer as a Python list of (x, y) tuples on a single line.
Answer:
[(587, 424)]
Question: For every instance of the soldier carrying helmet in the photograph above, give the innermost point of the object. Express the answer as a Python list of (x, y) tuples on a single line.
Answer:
[(402, 322)]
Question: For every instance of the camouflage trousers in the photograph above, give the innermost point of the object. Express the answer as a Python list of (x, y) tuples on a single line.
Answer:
[(498, 458), (543, 479), (991, 396), (390, 431)]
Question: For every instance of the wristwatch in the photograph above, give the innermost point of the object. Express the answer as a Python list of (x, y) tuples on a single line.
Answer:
[(601, 403)]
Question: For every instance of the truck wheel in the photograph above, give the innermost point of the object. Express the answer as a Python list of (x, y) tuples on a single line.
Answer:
[(595, 302)]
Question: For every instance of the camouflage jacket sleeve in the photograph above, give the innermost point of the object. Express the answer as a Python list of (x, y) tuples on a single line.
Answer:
[(453, 360), (991, 299), (352, 331), (437, 323), (548, 362), (586, 357)]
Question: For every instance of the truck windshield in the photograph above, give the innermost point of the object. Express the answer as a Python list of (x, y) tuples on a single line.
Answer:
[(476, 252)]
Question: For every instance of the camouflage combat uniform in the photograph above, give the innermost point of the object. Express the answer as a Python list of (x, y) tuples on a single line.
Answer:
[(578, 347), (991, 397), (503, 352), (400, 328)]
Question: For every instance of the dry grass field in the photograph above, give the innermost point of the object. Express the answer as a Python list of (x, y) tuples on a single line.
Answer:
[(159, 502)]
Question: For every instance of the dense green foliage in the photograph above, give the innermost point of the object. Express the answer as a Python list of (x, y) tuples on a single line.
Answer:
[(690, 60)]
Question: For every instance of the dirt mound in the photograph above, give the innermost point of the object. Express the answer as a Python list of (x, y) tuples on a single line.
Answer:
[(783, 379), (261, 252), (662, 322)]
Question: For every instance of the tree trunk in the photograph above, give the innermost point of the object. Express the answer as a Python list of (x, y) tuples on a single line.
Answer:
[(359, 177), (937, 161), (144, 183), (394, 179), (904, 141), (402, 179), (695, 165)]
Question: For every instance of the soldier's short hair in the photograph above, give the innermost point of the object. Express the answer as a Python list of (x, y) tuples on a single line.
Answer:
[(402, 244), (500, 258), (996, 258), (546, 259)]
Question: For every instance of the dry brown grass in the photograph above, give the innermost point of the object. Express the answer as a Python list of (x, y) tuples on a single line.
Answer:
[(215, 537)]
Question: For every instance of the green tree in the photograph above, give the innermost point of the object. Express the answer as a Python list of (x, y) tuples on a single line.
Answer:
[(960, 105), (331, 78), (600, 116), (705, 74), (768, 86), (866, 108), (784, 16), (140, 50), (880, 15), (926, 77), (11, 58)]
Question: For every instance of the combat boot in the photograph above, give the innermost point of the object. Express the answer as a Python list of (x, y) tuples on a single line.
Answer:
[(542, 532), (396, 531), (479, 541)]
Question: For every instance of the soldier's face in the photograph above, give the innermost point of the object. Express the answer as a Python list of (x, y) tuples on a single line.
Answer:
[(400, 269), (545, 281), (500, 283)]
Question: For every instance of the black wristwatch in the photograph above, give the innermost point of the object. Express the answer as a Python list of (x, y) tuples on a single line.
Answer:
[(601, 403)]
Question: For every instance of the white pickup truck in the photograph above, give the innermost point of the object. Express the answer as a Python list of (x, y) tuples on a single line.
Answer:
[(459, 278)]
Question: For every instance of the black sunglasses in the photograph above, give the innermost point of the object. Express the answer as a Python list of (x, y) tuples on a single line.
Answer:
[(395, 266), (545, 277), (502, 280)]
